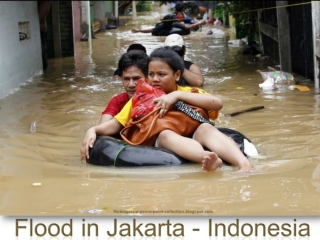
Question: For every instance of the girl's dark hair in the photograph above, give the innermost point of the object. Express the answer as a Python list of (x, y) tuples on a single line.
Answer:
[(170, 57), (136, 58)]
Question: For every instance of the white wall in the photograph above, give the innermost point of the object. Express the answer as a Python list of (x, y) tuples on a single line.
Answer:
[(19, 60)]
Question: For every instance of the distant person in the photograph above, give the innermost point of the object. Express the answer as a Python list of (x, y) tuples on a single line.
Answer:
[(133, 46), (181, 16), (43, 10), (192, 75), (168, 22), (218, 22), (203, 10), (179, 12), (132, 66)]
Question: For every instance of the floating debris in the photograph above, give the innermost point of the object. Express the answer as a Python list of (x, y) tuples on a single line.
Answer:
[(94, 211), (33, 127), (302, 88)]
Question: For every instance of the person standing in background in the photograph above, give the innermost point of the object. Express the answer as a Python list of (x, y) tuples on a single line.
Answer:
[(133, 46), (192, 75), (43, 10)]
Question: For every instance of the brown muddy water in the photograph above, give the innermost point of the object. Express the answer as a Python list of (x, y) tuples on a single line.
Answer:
[(41, 173)]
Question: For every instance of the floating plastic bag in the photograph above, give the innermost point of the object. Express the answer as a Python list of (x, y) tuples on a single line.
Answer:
[(142, 99), (33, 127), (268, 84), (279, 77)]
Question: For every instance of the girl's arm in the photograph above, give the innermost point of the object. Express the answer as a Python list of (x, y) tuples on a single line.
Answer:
[(205, 101)]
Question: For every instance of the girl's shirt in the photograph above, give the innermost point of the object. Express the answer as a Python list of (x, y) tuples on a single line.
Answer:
[(124, 116)]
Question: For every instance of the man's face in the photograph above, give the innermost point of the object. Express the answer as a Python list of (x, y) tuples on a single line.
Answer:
[(129, 79)]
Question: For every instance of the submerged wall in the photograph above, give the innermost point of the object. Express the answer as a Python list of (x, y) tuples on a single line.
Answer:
[(19, 59)]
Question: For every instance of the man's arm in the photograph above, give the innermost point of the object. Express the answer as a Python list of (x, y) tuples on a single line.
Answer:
[(43, 8), (142, 30), (197, 24), (105, 117), (193, 76)]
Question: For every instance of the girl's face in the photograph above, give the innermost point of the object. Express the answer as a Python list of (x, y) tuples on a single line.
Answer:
[(162, 76)]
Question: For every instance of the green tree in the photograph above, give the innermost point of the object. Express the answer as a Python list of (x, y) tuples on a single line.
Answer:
[(144, 6), (242, 11), (245, 15)]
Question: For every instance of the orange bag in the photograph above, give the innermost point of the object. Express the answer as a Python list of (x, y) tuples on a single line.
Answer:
[(145, 130)]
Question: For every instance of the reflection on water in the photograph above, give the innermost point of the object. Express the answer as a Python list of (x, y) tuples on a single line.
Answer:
[(70, 97)]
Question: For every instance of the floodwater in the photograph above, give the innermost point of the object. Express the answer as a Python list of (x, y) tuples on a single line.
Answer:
[(41, 172)]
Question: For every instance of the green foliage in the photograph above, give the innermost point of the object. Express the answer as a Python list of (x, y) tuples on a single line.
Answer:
[(144, 6), (240, 10), (244, 13)]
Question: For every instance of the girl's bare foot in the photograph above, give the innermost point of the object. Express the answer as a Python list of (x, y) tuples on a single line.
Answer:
[(211, 162)]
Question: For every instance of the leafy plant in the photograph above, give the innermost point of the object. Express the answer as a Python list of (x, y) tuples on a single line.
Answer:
[(144, 6), (244, 13)]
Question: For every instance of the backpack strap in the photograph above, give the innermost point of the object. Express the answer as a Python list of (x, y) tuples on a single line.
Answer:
[(181, 106)]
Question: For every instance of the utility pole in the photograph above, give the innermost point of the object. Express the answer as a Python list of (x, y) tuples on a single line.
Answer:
[(134, 11), (116, 11)]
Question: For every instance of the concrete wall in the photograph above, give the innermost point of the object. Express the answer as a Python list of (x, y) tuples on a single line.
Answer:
[(19, 60), (316, 41), (76, 12), (109, 7), (99, 14)]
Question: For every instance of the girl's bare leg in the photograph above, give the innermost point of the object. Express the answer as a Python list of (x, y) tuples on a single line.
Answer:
[(189, 149), (211, 138)]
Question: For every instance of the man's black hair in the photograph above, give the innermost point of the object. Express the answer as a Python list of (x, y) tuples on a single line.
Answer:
[(179, 7), (180, 50), (134, 58), (136, 46)]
